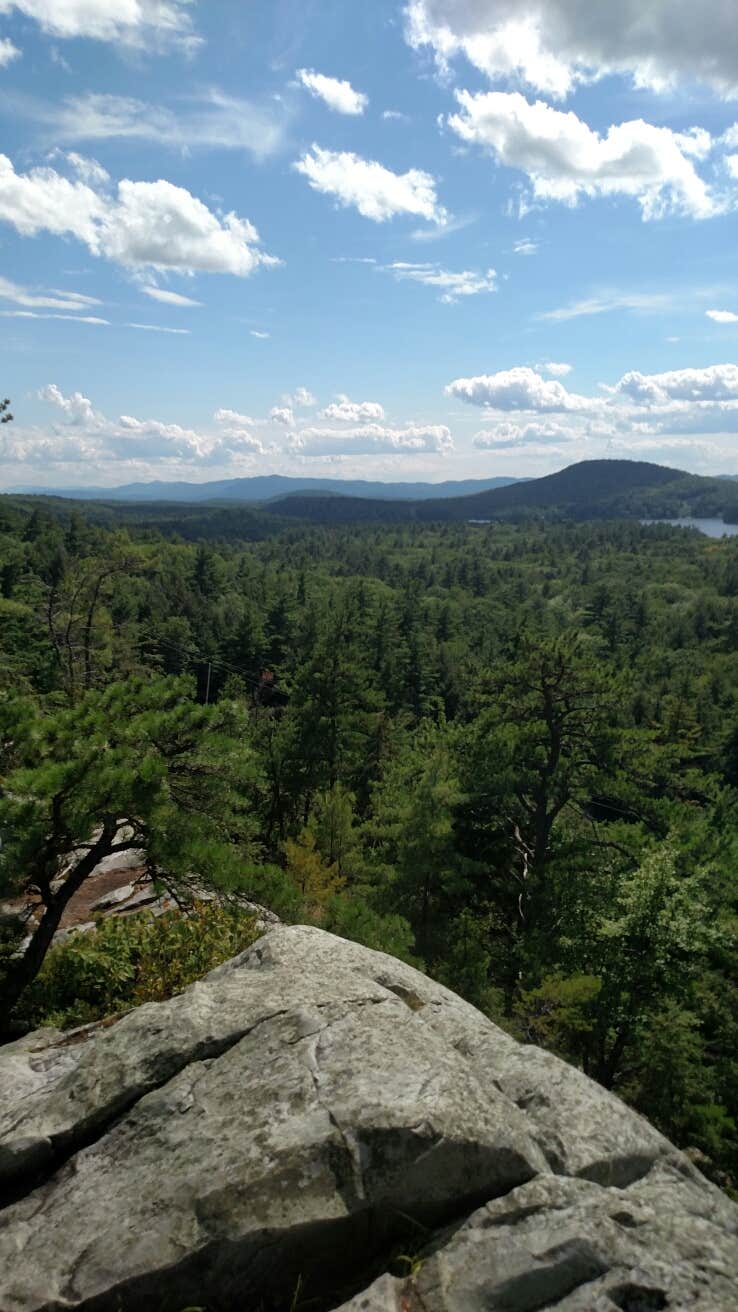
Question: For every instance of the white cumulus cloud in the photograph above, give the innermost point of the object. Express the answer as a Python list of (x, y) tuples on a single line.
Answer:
[(301, 399), (8, 52), (338, 95), (566, 160), (234, 419), (376, 192), (552, 45), (513, 435), (372, 439), (139, 23), (717, 382), (85, 435), (519, 388), (77, 408), (154, 225), (345, 411), (282, 414), (557, 369), (722, 316), (676, 409)]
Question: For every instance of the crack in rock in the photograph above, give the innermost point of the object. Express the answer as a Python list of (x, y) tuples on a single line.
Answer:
[(306, 1108)]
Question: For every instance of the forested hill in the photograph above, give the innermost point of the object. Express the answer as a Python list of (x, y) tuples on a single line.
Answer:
[(591, 489), (265, 487)]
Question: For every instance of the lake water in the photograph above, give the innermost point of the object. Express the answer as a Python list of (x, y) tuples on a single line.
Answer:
[(713, 528)]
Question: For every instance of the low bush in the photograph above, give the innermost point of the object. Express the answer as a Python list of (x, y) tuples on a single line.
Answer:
[(132, 959)]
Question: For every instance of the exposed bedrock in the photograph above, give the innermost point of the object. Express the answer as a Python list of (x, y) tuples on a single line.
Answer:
[(268, 1137)]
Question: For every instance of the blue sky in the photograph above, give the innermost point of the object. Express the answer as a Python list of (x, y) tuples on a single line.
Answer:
[(433, 239)]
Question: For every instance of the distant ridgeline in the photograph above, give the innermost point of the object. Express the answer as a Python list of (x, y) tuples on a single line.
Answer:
[(267, 487), (592, 489), (237, 510)]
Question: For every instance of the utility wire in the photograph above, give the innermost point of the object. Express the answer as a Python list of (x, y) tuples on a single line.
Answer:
[(198, 657)]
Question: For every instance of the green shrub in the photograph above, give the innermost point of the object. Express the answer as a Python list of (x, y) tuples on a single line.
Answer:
[(128, 960)]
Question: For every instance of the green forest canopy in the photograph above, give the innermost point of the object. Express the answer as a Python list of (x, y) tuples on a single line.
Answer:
[(508, 752)]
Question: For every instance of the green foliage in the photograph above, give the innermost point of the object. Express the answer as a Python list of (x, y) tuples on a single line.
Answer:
[(313, 878), (353, 918), (560, 1013), (507, 751), (132, 959), (138, 765)]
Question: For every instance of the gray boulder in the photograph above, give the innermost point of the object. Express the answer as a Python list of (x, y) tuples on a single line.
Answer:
[(272, 1134)]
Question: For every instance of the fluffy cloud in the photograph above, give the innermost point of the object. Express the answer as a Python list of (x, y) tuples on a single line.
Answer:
[(514, 435), (686, 410), (345, 411), (566, 160), (8, 52), (301, 398), (376, 192), (89, 170), (206, 120), (152, 225), (551, 45), (718, 382), (337, 95), (282, 415), (44, 200), (525, 247), (450, 285), (170, 298), (149, 439), (372, 439), (77, 409), (519, 388), (722, 316), (158, 225), (233, 419), (44, 300), (84, 434), (139, 23), (236, 438), (557, 369)]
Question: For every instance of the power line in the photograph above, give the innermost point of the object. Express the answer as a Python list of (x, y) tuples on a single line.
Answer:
[(205, 660)]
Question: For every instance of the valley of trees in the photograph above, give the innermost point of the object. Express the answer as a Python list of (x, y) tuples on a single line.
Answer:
[(508, 753)]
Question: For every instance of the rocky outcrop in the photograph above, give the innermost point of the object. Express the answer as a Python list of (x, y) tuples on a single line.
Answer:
[(267, 1139), (120, 885)]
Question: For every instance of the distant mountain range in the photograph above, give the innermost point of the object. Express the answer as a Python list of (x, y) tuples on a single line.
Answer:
[(590, 489), (267, 487)]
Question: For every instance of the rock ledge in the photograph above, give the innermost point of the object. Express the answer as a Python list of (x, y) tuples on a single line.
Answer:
[(290, 1119)]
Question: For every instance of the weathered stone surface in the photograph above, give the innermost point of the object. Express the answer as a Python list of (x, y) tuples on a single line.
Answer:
[(292, 1115), (663, 1242)]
